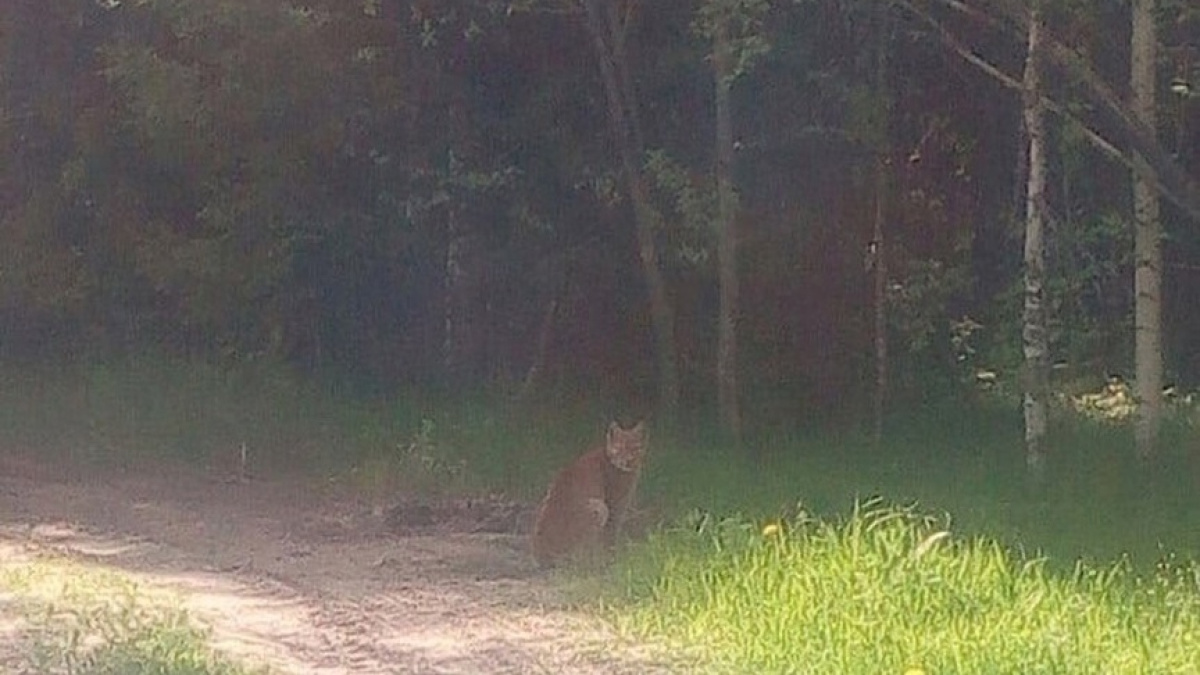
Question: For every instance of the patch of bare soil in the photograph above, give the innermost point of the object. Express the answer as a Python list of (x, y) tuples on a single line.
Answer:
[(307, 581)]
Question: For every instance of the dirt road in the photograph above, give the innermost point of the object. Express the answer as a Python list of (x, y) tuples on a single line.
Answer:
[(306, 582)]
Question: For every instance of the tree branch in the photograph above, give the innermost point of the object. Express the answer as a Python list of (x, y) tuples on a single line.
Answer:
[(1168, 176), (957, 46)]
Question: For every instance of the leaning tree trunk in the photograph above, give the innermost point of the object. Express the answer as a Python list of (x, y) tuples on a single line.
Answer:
[(727, 356), (1147, 282), (1033, 335), (608, 37)]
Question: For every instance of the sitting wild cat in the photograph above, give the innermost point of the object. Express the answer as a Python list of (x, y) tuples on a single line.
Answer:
[(589, 499)]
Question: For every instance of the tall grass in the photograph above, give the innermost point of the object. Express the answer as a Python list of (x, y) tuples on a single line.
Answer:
[(886, 591)]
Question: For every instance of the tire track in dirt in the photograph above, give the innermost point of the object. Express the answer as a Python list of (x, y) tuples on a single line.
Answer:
[(311, 585)]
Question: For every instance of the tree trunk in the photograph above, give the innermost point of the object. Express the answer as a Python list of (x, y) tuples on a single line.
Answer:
[(1147, 243), (462, 338), (727, 388), (452, 305), (538, 362), (878, 257), (1035, 382), (878, 252), (608, 39)]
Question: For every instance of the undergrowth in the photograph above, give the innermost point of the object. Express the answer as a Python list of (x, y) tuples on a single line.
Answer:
[(266, 420)]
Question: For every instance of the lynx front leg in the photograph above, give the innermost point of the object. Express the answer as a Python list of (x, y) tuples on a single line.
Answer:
[(592, 537), (616, 519), (597, 518)]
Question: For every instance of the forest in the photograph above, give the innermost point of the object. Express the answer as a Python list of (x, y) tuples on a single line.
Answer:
[(897, 292), (532, 196)]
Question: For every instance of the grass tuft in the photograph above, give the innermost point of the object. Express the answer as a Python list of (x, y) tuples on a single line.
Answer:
[(84, 621)]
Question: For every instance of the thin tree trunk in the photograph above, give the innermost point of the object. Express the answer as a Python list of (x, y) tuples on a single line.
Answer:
[(538, 362), (460, 337), (1033, 335), (608, 38), (452, 281), (727, 387), (879, 260), (1148, 358), (462, 270), (878, 252)]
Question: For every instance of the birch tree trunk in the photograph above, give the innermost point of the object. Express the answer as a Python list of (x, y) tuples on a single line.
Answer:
[(1147, 254), (1033, 334), (608, 37), (727, 357)]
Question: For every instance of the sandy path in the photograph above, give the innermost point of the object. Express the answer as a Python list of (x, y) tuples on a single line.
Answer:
[(307, 583)]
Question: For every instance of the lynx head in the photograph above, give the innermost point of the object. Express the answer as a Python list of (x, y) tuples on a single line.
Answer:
[(625, 447)]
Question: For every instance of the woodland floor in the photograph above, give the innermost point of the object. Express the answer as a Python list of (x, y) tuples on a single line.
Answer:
[(305, 580)]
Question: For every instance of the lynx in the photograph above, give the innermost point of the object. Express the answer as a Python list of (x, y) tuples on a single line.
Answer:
[(589, 499)]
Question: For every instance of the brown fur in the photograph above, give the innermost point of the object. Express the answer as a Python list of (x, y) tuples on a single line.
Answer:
[(589, 499)]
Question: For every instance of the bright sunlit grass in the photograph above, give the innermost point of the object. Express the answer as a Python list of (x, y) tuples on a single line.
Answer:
[(83, 621), (886, 591)]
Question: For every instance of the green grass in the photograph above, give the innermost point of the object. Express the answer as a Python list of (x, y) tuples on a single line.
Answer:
[(886, 591), (1098, 504), (1094, 572), (150, 409), (85, 621)]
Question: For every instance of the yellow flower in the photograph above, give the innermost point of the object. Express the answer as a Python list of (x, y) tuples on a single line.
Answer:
[(772, 530)]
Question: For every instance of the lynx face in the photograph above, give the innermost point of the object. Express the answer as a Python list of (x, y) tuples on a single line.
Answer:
[(624, 448)]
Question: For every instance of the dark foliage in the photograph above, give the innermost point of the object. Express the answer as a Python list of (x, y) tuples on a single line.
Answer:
[(412, 192)]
